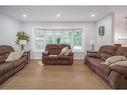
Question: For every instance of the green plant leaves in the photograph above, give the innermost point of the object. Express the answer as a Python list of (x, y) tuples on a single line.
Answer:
[(21, 36)]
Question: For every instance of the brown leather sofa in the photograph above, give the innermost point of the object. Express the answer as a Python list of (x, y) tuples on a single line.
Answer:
[(115, 76), (52, 56), (7, 69)]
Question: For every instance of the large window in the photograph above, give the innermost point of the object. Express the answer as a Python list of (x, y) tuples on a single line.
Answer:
[(42, 37)]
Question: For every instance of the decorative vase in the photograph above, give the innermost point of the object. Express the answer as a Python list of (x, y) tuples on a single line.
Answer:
[(58, 40)]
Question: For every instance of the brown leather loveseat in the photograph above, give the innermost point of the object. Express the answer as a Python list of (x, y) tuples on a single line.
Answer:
[(52, 56), (115, 76), (7, 69)]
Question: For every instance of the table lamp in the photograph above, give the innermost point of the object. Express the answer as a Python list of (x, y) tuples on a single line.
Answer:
[(22, 43), (92, 43)]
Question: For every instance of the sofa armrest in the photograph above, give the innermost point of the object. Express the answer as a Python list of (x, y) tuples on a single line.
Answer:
[(120, 69), (45, 53), (93, 55)]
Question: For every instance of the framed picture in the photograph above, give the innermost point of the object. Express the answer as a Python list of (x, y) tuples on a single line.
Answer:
[(101, 30)]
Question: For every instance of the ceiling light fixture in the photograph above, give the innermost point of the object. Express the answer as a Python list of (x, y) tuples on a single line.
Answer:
[(24, 15), (92, 15), (58, 15)]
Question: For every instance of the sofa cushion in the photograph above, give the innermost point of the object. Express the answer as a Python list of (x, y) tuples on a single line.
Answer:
[(5, 67), (97, 63), (52, 57), (104, 56), (107, 51), (62, 57), (19, 61), (5, 49), (4, 52), (119, 69), (104, 68), (93, 60), (52, 49), (53, 52), (122, 51)]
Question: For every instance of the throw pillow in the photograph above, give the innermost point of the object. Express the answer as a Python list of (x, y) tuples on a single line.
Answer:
[(21, 53), (68, 52), (15, 55), (65, 51), (120, 63), (114, 59)]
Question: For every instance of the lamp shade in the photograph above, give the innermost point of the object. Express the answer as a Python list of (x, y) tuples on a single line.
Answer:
[(22, 42)]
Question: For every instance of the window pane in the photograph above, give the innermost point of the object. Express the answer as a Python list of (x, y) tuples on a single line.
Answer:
[(39, 39), (77, 42), (67, 37), (57, 36), (39, 43), (77, 33), (53, 36), (49, 38), (77, 39)]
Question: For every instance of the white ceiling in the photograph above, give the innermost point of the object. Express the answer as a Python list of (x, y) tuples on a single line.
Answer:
[(68, 13)]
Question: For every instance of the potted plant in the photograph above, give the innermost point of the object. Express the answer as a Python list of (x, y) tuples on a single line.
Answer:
[(21, 36)]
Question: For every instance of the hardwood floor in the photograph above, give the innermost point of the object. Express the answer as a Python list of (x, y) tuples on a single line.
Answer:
[(37, 76)]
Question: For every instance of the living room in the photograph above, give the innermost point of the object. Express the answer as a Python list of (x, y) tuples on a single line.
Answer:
[(90, 24), (91, 34)]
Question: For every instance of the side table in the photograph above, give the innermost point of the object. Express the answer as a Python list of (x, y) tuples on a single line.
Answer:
[(27, 53)]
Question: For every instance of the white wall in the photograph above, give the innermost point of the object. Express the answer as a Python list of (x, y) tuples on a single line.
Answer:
[(8, 29), (120, 25), (89, 33), (108, 38)]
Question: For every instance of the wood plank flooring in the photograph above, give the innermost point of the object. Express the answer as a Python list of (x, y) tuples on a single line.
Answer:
[(37, 76)]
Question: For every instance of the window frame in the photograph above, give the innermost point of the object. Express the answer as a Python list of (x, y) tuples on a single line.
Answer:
[(43, 49)]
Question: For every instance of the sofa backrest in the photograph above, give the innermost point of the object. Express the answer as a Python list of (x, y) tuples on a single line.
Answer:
[(61, 46), (4, 52), (52, 49), (55, 49), (122, 51), (107, 51)]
